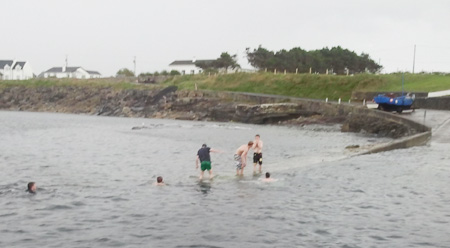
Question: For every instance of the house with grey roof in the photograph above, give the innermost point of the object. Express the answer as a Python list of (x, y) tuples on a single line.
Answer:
[(69, 72), (15, 70), (188, 66)]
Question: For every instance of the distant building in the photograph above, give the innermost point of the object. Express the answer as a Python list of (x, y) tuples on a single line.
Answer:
[(186, 67), (15, 70), (69, 72)]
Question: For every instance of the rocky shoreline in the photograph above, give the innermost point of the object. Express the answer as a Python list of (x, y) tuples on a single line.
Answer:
[(200, 106)]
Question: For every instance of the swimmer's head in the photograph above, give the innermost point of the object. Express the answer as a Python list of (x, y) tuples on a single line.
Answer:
[(31, 187), (267, 174), (159, 179), (257, 136), (250, 143), (204, 145)]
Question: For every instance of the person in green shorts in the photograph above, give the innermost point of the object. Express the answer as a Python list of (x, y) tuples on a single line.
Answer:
[(205, 160)]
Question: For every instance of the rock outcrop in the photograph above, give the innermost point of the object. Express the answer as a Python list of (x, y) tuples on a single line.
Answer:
[(203, 105)]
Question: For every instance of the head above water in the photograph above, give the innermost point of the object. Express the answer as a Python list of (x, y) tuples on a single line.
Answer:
[(159, 179), (204, 145), (250, 143), (31, 187), (267, 175), (257, 136)]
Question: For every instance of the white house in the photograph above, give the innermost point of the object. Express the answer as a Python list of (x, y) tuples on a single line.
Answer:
[(15, 70), (187, 66), (69, 72)]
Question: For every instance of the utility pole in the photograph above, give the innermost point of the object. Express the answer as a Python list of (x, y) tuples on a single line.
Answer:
[(134, 62), (414, 58)]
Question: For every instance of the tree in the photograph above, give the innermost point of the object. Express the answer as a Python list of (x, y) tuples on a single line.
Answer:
[(205, 64), (174, 73), (145, 74), (125, 73), (225, 61), (259, 58)]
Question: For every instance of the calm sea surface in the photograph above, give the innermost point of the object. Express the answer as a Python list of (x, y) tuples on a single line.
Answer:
[(95, 174)]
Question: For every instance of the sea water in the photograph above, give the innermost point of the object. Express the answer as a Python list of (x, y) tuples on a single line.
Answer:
[(95, 179)]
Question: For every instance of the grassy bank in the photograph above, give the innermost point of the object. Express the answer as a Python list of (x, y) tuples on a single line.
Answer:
[(296, 85), (312, 86), (115, 83)]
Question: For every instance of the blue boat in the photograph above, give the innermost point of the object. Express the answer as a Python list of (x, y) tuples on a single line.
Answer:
[(389, 102)]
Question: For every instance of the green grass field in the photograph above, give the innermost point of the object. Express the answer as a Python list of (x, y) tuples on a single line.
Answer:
[(116, 83), (313, 86), (296, 85)]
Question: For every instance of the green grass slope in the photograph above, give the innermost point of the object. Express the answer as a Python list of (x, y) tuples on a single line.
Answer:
[(311, 85), (296, 85)]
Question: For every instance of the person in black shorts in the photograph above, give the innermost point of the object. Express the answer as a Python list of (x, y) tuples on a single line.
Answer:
[(257, 155)]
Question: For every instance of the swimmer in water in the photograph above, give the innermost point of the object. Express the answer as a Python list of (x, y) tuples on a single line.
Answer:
[(159, 181), (268, 178), (31, 187), (240, 157)]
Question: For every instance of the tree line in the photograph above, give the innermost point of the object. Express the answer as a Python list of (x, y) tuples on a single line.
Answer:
[(335, 60)]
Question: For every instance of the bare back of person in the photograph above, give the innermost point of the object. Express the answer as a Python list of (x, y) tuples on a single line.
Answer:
[(240, 157), (242, 149)]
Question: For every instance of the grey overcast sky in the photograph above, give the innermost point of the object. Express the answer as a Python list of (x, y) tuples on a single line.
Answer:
[(105, 35)]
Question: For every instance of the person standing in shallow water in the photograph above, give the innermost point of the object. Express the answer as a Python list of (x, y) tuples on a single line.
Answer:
[(257, 152), (203, 155), (240, 157), (31, 187)]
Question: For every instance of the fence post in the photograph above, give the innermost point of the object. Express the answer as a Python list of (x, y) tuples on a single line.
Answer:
[(275, 71), (339, 101), (326, 99), (310, 70), (284, 71), (296, 70)]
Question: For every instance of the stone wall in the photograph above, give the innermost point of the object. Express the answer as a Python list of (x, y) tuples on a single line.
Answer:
[(438, 103)]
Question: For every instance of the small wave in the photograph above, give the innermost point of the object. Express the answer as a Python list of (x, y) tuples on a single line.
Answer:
[(395, 237), (117, 199), (426, 244), (57, 207), (199, 246), (7, 215), (78, 203), (322, 232), (378, 238), (142, 235), (65, 229)]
